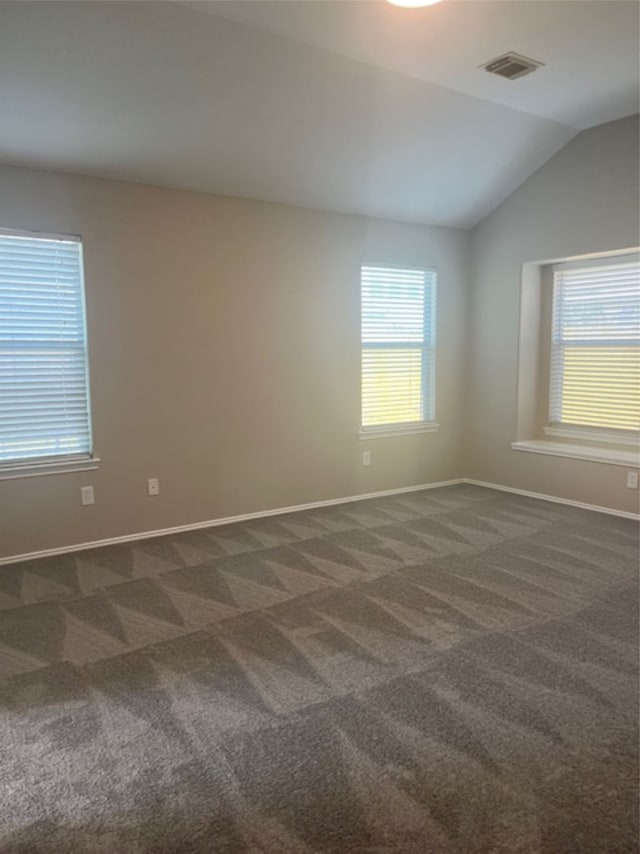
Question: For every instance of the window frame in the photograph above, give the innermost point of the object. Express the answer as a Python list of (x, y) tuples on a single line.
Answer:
[(428, 355), (533, 370), (556, 428), (58, 463)]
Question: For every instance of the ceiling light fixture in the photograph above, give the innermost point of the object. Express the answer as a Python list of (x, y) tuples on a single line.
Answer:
[(413, 4)]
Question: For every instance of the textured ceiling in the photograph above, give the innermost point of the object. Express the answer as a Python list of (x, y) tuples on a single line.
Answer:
[(590, 48), (171, 95)]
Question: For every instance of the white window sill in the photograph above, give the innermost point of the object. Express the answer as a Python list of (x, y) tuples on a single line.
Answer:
[(11, 471), (398, 430), (580, 452)]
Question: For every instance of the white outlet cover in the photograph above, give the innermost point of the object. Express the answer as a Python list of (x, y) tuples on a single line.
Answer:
[(87, 496)]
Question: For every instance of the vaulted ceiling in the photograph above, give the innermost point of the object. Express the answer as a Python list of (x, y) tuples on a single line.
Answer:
[(350, 106)]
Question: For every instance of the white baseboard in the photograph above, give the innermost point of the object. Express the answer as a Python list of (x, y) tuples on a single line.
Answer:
[(245, 517), (227, 520), (555, 499)]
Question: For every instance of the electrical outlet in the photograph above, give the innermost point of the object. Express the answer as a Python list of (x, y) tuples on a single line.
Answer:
[(632, 480), (87, 496), (366, 458), (153, 486)]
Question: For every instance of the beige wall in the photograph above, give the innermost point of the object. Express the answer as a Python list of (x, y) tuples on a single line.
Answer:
[(585, 199), (224, 346)]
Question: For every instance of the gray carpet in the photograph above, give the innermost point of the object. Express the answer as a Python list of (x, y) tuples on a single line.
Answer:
[(447, 671)]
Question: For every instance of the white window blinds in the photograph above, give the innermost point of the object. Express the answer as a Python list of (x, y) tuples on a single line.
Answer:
[(398, 346), (595, 350), (44, 397)]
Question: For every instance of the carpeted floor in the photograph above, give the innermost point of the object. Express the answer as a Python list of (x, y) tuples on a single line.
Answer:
[(447, 671)]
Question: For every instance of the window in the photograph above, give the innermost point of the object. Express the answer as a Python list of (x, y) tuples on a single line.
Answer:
[(595, 349), (398, 349), (44, 393)]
